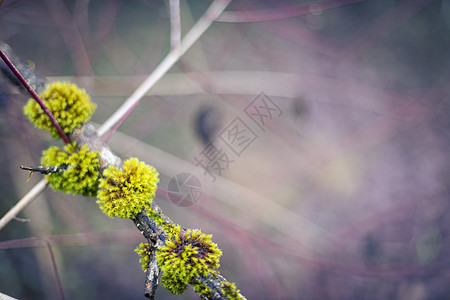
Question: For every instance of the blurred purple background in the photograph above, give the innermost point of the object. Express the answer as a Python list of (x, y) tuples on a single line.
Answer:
[(342, 194)]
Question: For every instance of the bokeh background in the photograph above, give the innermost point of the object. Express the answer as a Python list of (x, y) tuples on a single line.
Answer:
[(342, 195)]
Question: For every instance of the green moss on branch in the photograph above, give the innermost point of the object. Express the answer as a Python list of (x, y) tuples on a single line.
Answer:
[(70, 105), (126, 193), (80, 174)]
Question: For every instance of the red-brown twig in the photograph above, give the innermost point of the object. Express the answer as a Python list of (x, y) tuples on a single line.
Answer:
[(35, 96), (56, 276)]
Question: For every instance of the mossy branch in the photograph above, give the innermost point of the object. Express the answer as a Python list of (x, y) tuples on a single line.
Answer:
[(39, 103), (185, 256)]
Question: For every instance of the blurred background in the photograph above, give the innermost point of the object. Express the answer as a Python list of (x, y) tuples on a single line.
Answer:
[(329, 121)]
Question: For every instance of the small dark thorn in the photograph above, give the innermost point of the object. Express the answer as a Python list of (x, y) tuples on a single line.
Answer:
[(26, 168), (43, 170)]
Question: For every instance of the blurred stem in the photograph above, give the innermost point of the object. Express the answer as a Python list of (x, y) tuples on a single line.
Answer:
[(64, 21), (57, 278), (6, 297), (114, 122), (147, 226), (175, 21), (27, 199), (282, 13)]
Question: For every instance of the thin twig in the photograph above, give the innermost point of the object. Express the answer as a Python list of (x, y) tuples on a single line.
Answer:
[(57, 278), (67, 26), (27, 199), (197, 30), (282, 13), (21, 220), (6, 297), (175, 21), (146, 225), (43, 170), (35, 96), (214, 10), (36, 81)]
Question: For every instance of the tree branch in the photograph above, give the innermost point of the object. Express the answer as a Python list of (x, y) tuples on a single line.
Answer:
[(175, 29), (214, 10), (27, 199), (6, 297), (88, 132), (282, 13), (153, 232), (36, 81), (33, 93)]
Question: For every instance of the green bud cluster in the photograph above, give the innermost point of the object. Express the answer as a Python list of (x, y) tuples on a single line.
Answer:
[(70, 105), (80, 169), (186, 255), (126, 193)]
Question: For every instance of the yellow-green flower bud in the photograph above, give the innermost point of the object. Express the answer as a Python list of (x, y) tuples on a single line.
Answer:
[(70, 105), (80, 174), (186, 255), (126, 193)]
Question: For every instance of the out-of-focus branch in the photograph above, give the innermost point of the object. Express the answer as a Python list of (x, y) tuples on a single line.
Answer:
[(87, 135), (65, 22), (57, 279), (6, 297), (211, 14), (27, 199), (282, 13), (175, 23)]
